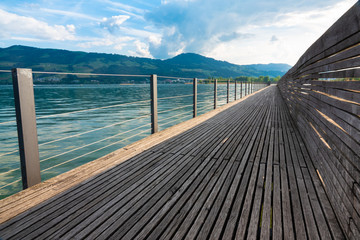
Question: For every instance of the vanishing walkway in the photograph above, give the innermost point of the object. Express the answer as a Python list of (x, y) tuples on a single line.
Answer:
[(244, 173)]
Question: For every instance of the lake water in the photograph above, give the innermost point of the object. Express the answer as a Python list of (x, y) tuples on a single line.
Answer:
[(80, 123)]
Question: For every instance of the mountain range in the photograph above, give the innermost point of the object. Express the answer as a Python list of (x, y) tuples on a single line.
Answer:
[(184, 65)]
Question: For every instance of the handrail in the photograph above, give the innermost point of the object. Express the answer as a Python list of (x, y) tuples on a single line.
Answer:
[(91, 74), (184, 78)]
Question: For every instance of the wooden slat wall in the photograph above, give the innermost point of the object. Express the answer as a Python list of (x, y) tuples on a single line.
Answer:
[(326, 109)]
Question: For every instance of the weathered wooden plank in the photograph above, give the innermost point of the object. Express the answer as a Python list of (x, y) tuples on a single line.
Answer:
[(174, 211), (189, 221), (338, 140), (294, 191), (337, 199), (298, 163), (336, 66), (288, 228), (207, 182), (267, 209), (277, 208), (157, 187), (246, 210), (240, 176), (351, 85), (227, 141), (331, 219), (40, 218), (340, 56), (163, 211), (346, 120), (24, 200), (240, 196), (256, 207), (346, 141), (341, 174)]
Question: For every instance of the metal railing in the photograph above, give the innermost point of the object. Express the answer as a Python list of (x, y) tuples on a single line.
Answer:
[(27, 130)]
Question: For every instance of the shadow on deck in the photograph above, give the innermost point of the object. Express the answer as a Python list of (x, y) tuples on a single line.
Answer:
[(244, 173)]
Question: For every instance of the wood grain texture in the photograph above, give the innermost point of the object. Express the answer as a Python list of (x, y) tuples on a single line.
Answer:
[(244, 172), (325, 106)]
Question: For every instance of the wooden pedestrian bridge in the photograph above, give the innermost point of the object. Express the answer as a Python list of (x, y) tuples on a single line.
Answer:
[(280, 163)]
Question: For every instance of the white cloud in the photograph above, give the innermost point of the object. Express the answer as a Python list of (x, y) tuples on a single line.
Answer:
[(272, 33), (316, 19), (13, 25), (120, 46), (125, 7), (290, 35), (69, 14), (113, 23), (134, 15), (155, 40), (96, 43), (142, 50), (107, 41)]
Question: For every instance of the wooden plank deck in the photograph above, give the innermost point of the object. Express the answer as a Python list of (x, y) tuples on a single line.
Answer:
[(244, 173)]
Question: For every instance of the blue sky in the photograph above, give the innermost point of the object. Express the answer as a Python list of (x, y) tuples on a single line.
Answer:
[(237, 31)]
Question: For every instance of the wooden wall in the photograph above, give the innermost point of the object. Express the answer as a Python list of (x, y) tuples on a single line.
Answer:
[(324, 100)]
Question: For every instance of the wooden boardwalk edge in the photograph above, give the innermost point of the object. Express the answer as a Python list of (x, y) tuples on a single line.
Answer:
[(26, 199)]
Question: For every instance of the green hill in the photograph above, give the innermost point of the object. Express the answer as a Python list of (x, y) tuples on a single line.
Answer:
[(183, 65)]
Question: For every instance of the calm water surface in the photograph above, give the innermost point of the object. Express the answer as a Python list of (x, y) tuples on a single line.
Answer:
[(69, 137)]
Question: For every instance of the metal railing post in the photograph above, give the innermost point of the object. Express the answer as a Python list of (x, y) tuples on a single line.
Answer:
[(215, 93), (154, 103), (195, 97), (241, 89), (235, 90), (26, 126), (228, 91)]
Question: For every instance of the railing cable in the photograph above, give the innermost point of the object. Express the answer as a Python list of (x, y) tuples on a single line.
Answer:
[(174, 116), (175, 97), (173, 109), (97, 129), (80, 134), (90, 144), (177, 119), (83, 110), (91, 74), (78, 148), (10, 183), (57, 165)]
